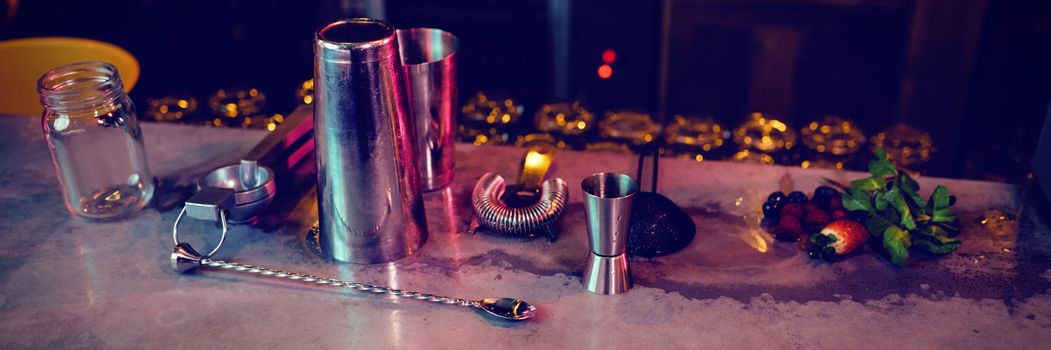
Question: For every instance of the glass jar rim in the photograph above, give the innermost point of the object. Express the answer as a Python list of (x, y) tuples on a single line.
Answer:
[(80, 85)]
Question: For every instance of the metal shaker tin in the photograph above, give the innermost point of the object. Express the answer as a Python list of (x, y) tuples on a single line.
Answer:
[(370, 208), (429, 57)]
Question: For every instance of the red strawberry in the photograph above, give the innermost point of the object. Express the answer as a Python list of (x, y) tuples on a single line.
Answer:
[(814, 220), (792, 209), (836, 202), (847, 235), (839, 214), (788, 228)]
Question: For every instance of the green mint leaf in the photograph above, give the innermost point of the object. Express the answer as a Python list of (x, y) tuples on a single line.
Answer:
[(909, 189), (897, 243), (938, 205), (908, 182), (936, 245), (951, 228), (881, 201), (877, 222), (880, 166), (940, 198), (933, 231), (943, 215), (904, 213), (856, 199), (868, 184)]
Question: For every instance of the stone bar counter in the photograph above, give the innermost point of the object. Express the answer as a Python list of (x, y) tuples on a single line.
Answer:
[(68, 283)]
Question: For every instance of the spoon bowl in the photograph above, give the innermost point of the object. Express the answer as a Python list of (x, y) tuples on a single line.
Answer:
[(509, 309)]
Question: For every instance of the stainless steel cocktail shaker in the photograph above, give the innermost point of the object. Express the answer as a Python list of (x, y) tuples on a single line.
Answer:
[(607, 204), (370, 207), (429, 57)]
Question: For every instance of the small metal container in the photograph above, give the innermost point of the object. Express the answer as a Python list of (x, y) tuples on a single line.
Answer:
[(429, 58), (607, 203), (253, 190), (370, 207)]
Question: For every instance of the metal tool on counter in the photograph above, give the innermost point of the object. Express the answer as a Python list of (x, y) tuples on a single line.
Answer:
[(658, 226), (252, 185), (212, 204), (607, 201), (429, 58), (255, 184), (370, 207), (529, 208)]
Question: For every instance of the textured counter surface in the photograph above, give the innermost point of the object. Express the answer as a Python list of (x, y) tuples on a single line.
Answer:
[(66, 283)]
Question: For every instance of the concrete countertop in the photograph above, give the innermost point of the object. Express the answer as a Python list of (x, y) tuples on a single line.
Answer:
[(68, 283)]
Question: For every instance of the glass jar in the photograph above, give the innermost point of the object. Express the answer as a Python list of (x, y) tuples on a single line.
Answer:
[(95, 141)]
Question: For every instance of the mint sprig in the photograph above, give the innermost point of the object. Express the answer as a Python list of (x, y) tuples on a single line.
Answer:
[(898, 215)]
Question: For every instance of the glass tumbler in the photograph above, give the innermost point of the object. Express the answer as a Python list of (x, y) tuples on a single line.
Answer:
[(95, 141)]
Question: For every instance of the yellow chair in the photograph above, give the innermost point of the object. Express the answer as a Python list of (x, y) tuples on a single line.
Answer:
[(23, 61)]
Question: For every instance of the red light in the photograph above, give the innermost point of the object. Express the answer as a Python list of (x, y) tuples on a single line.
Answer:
[(608, 56), (605, 71)]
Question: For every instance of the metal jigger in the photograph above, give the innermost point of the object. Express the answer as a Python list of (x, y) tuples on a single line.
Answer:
[(607, 200)]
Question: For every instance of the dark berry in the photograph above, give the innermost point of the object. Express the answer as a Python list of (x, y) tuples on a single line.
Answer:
[(821, 252), (792, 209), (858, 215), (815, 220), (836, 202), (809, 207), (776, 197), (952, 200), (825, 191), (821, 202), (823, 197), (814, 252), (772, 209), (788, 229), (839, 214), (797, 197)]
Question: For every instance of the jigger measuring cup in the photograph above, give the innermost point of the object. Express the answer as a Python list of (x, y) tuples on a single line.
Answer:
[(607, 203)]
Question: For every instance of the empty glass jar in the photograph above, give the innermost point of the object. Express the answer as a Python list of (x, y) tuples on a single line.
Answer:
[(95, 141)]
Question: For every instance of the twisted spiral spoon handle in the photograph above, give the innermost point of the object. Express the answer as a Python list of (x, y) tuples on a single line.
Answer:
[(184, 259), (338, 283)]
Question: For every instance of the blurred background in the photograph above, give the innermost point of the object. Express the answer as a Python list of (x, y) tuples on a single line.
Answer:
[(955, 88)]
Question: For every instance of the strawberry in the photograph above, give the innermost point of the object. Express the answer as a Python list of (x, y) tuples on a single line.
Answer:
[(788, 228), (792, 209), (846, 236), (814, 220)]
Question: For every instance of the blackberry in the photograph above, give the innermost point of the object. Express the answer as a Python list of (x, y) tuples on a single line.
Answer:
[(797, 197), (772, 209), (825, 191)]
